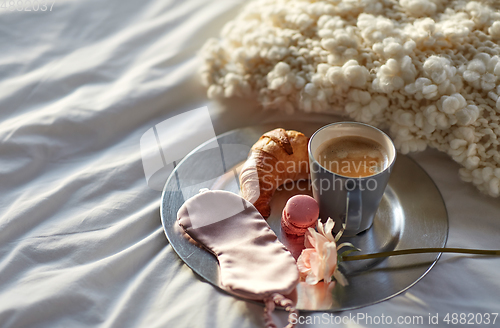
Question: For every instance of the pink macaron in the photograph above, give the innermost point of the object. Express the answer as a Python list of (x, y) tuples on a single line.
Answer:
[(300, 213)]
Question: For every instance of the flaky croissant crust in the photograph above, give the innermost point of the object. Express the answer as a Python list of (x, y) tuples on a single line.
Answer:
[(278, 157)]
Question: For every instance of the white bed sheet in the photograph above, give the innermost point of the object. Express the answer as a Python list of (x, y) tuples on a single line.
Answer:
[(81, 242)]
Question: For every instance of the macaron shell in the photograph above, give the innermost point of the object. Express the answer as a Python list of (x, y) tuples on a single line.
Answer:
[(300, 213), (290, 228)]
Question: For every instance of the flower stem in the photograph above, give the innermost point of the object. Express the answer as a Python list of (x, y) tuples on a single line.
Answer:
[(421, 250)]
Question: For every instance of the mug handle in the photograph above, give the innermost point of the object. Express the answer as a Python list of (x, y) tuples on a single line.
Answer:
[(353, 210)]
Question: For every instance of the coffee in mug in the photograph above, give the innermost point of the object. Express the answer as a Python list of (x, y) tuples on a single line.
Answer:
[(350, 165), (352, 156)]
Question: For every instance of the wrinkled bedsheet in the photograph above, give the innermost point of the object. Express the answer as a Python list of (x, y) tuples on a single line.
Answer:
[(81, 241)]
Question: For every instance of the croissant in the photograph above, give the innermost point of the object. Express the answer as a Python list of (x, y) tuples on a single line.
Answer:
[(278, 157)]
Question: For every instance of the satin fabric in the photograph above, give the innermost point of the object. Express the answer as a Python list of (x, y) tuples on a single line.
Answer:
[(253, 263)]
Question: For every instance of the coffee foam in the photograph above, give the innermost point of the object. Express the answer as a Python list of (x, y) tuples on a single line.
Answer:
[(363, 156)]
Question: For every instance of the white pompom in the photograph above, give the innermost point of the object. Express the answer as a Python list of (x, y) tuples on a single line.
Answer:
[(494, 30), (457, 143), (494, 186), (450, 105), (282, 68)]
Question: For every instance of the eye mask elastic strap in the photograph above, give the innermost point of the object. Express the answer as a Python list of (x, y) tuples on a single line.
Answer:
[(280, 300)]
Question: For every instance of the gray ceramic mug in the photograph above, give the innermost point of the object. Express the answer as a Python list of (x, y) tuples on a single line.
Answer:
[(353, 201)]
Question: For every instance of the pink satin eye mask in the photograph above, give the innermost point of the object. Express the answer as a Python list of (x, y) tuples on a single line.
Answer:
[(253, 262)]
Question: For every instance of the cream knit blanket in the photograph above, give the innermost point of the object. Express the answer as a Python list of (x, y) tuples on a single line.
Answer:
[(429, 70)]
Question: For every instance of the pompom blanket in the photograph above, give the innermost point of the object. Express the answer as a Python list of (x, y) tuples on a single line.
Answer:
[(428, 70)]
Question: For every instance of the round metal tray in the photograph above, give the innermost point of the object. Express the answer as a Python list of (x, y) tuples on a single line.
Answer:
[(411, 214)]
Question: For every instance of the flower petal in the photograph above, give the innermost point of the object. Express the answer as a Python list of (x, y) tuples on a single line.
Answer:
[(340, 278), (310, 241), (328, 229), (307, 242), (311, 279), (330, 258), (317, 241), (316, 265), (319, 226), (304, 260)]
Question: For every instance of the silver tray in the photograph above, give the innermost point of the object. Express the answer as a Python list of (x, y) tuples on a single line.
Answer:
[(412, 214)]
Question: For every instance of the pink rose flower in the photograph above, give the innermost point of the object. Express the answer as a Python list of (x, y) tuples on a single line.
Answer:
[(318, 261)]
